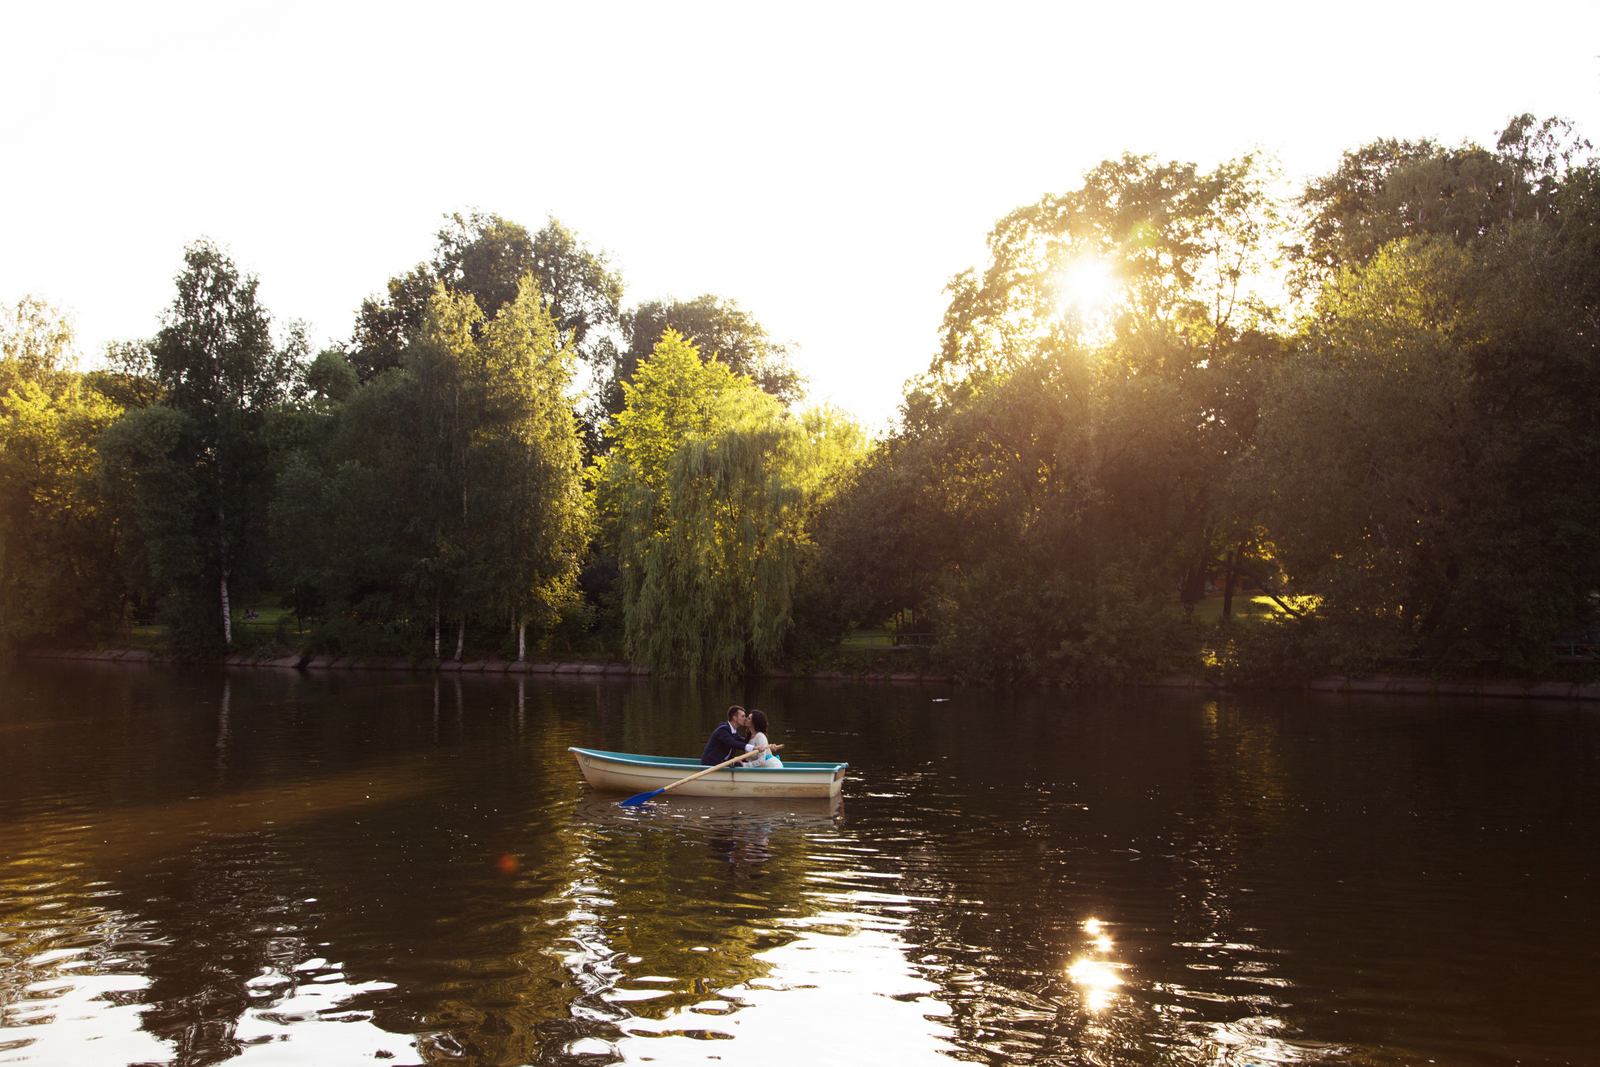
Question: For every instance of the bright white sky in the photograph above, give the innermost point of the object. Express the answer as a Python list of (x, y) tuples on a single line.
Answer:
[(829, 166)]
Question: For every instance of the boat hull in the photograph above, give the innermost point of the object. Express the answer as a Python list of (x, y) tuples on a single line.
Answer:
[(624, 772)]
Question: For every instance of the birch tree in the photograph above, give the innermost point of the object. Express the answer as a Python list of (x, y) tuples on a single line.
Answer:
[(450, 490), (220, 375)]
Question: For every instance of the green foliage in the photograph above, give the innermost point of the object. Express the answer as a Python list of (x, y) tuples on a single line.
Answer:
[(1410, 460), (1389, 190), (1413, 460), (1048, 436), (36, 347), (674, 396), (1012, 625), (446, 488), (60, 574), (191, 472), (331, 376), (707, 494), (1050, 430), (1187, 253), (129, 377), (1419, 462), (486, 257), (1283, 649)]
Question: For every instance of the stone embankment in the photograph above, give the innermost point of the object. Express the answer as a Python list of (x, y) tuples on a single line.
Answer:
[(486, 666)]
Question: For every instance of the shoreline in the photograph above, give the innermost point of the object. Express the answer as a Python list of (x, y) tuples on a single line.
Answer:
[(1401, 685), (484, 666), (1379, 685)]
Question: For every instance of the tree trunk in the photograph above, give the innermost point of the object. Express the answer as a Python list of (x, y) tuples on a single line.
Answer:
[(1262, 584), (227, 613), (1227, 587), (222, 549), (221, 536), (522, 640), (1193, 589), (461, 637), (436, 631)]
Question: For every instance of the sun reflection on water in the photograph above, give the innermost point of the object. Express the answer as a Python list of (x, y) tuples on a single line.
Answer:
[(1097, 978)]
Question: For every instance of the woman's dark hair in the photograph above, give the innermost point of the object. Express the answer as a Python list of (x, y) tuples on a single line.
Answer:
[(758, 721)]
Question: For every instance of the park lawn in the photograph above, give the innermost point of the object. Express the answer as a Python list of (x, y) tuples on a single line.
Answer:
[(1210, 609)]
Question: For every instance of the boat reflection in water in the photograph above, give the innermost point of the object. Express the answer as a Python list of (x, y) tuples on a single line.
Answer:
[(737, 830), (690, 915)]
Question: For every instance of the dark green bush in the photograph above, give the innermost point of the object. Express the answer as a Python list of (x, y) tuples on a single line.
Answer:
[(1026, 628)]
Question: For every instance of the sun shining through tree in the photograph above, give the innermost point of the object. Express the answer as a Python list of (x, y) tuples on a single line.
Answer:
[(1086, 291), (1142, 248)]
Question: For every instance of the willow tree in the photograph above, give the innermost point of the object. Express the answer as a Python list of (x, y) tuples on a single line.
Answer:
[(706, 495)]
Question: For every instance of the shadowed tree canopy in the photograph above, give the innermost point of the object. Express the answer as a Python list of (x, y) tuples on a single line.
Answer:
[(486, 256), (1133, 405), (1426, 459), (1058, 473), (476, 427), (1389, 189)]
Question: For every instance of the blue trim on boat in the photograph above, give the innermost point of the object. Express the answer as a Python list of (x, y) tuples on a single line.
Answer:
[(690, 765)]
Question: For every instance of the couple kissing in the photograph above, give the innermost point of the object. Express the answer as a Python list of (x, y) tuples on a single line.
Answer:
[(730, 738)]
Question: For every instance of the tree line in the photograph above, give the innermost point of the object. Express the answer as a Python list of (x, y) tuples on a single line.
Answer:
[(1375, 399)]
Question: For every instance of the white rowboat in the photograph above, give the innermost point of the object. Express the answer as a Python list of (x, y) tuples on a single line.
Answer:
[(624, 772)]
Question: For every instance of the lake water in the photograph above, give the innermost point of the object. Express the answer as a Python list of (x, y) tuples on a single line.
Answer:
[(201, 867)]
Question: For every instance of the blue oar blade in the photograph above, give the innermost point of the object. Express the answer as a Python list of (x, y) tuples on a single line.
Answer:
[(640, 798)]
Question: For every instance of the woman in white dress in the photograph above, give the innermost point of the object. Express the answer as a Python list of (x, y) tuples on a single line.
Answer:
[(766, 761)]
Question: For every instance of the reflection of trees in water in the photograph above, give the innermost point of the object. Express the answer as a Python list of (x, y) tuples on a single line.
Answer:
[(703, 908), (694, 887), (980, 864), (399, 852), (216, 913), (979, 839), (394, 829)]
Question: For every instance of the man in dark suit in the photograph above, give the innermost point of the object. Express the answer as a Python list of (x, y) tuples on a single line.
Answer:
[(726, 741)]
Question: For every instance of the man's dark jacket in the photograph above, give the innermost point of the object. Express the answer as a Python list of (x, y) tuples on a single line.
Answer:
[(725, 744)]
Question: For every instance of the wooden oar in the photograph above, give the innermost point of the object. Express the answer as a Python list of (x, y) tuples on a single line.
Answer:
[(640, 798)]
